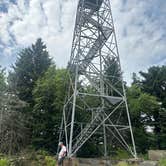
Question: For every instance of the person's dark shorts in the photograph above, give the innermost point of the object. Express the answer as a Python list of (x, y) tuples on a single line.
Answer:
[(60, 161)]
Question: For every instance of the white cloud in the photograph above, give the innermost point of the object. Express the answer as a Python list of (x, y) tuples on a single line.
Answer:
[(140, 36), (53, 21), (139, 25)]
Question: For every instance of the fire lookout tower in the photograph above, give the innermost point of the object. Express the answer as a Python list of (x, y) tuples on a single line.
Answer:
[(96, 88)]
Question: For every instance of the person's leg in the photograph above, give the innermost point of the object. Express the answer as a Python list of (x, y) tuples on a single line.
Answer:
[(60, 162)]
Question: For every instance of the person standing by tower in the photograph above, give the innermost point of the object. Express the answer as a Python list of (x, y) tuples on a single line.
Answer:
[(62, 154)]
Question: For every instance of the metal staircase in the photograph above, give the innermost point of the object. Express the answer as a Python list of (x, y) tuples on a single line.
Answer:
[(87, 132), (103, 34), (98, 44)]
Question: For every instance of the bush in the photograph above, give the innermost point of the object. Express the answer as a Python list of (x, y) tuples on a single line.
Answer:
[(4, 162), (50, 161), (29, 157), (143, 156), (162, 162), (42, 152), (121, 154)]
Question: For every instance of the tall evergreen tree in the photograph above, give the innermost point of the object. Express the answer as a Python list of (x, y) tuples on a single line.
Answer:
[(154, 82), (31, 64)]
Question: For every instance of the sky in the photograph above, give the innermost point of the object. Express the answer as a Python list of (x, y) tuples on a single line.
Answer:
[(139, 24)]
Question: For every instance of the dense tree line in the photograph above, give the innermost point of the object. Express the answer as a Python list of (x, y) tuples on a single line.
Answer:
[(31, 102)]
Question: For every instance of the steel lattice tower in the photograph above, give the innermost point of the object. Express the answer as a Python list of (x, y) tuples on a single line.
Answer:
[(94, 50)]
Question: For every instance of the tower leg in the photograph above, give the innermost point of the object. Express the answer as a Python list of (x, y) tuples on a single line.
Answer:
[(105, 141), (73, 112)]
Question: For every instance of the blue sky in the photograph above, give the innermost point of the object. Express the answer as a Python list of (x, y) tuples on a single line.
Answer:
[(140, 28)]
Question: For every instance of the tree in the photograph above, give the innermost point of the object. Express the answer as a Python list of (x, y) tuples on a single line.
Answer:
[(49, 94), (113, 75), (142, 106), (14, 134), (136, 79), (13, 129), (154, 83), (31, 64)]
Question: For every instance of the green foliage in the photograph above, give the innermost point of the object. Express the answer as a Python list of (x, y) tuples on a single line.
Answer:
[(49, 94), (43, 157), (92, 148), (12, 126), (113, 75), (4, 162), (13, 129), (141, 103), (29, 157), (50, 161), (121, 154), (162, 162), (14, 133), (143, 156), (135, 79), (42, 152), (31, 64), (154, 83), (141, 106)]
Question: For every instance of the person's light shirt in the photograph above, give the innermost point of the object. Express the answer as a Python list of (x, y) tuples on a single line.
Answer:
[(62, 152)]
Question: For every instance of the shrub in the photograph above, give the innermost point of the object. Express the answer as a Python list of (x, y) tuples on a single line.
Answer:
[(4, 162), (162, 162), (50, 161), (121, 154), (42, 152)]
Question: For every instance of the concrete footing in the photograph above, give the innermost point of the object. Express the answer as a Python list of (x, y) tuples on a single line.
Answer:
[(94, 162), (86, 162), (154, 157), (156, 154), (103, 162)]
